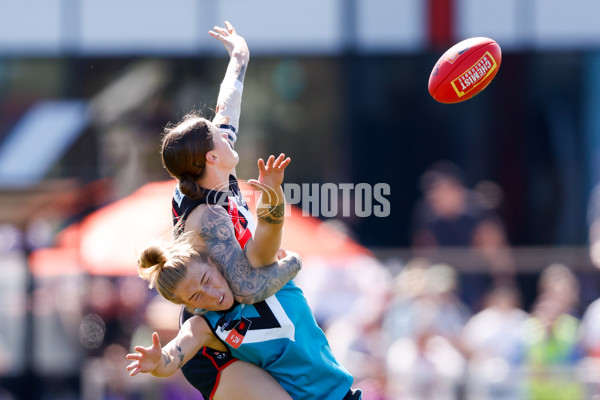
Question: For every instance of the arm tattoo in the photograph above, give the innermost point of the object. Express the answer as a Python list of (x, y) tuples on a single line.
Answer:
[(272, 221), (274, 215), (181, 356), (248, 284), (277, 211), (166, 358), (241, 73)]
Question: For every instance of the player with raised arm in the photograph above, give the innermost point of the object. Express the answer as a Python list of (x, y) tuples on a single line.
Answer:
[(208, 203)]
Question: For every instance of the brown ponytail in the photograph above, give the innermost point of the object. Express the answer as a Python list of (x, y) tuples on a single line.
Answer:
[(184, 149), (190, 187)]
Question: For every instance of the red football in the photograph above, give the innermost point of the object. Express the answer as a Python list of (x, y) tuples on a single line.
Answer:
[(465, 70)]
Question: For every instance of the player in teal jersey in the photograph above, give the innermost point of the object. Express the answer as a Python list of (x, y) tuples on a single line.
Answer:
[(279, 334)]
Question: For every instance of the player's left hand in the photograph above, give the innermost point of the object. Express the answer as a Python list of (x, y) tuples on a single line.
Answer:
[(270, 175)]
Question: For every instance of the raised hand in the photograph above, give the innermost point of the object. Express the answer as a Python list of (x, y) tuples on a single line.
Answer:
[(270, 176), (234, 43), (230, 97), (147, 359)]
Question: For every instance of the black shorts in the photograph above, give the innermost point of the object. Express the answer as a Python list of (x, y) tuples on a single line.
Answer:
[(203, 371), (353, 394)]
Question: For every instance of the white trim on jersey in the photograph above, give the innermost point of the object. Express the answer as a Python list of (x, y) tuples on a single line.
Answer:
[(286, 329)]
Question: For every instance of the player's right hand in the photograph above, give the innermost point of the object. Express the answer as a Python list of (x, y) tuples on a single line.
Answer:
[(146, 359), (234, 43)]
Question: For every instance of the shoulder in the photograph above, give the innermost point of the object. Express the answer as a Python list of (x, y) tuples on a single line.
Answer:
[(212, 319), (206, 214), (196, 325), (211, 223)]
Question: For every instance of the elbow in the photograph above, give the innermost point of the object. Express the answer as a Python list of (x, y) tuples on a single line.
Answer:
[(298, 263), (295, 261)]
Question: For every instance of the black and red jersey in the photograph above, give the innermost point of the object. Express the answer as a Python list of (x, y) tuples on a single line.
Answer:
[(231, 199)]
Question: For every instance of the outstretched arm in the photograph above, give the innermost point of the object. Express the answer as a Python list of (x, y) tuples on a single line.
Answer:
[(262, 248), (159, 361), (165, 361), (229, 102), (248, 284)]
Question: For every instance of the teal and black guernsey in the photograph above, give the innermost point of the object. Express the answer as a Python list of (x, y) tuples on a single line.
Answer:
[(281, 336)]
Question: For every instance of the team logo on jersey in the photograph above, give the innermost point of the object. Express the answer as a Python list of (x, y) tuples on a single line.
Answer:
[(270, 322), (237, 334), (178, 196)]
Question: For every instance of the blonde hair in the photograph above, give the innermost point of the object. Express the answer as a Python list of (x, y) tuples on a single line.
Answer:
[(165, 266)]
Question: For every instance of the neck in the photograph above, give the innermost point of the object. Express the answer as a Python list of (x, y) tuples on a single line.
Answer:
[(215, 178), (230, 309)]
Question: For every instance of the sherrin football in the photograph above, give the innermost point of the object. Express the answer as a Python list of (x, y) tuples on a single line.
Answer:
[(465, 70)]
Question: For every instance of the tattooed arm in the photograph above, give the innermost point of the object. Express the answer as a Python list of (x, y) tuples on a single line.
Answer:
[(248, 284), (165, 361), (263, 247)]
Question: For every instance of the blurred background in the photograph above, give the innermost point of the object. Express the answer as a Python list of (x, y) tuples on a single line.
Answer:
[(481, 283)]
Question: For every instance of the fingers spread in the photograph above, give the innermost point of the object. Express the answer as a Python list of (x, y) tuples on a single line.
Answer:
[(140, 349), (155, 340), (261, 165), (216, 35), (230, 27), (285, 163), (222, 31), (132, 366), (278, 160)]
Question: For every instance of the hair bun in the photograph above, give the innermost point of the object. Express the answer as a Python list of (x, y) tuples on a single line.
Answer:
[(151, 256)]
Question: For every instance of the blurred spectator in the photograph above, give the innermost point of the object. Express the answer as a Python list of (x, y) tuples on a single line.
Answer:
[(57, 355), (590, 342), (5, 366), (353, 297), (424, 323), (492, 341), (551, 338), (5, 357), (100, 326), (451, 215), (133, 299), (594, 225), (359, 342), (559, 282), (590, 282), (590, 330), (104, 377)]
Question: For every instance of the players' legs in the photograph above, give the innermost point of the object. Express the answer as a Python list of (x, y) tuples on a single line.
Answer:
[(244, 381)]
